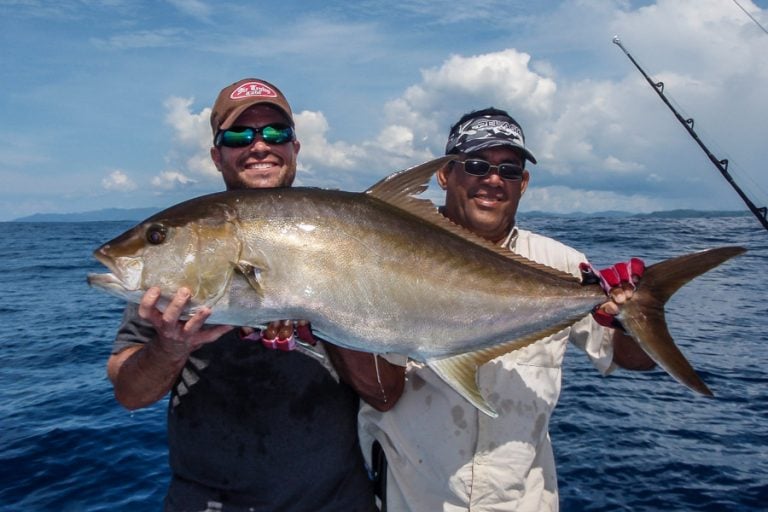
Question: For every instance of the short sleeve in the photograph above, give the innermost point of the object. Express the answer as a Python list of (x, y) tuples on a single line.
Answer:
[(133, 330)]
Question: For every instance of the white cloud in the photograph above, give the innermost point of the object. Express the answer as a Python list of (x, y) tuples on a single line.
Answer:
[(195, 8), (118, 181), (589, 128), (317, 150), (612, 163), (500, 77), (396, 139), (162, 38), (558, 199), (417, 122), (170, 180), (192, 138), (460, 84), (603, 129), (589, 116)]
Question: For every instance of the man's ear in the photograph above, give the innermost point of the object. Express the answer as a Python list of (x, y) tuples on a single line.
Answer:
[(443, 173), (526, 179), (216, 156)]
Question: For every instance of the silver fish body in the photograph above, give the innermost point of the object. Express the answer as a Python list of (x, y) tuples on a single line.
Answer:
[(379, 271)]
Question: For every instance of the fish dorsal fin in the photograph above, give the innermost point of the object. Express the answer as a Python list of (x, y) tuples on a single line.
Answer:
[(401, 189), (460, 371)]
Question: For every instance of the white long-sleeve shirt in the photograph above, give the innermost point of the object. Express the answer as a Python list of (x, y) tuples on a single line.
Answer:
[(445, 455)]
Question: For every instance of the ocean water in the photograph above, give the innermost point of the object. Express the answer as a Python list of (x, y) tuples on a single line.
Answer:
[(627, 442)]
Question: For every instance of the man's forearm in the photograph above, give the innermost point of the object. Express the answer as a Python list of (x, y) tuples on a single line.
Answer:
[(375, 380), (142, 375)]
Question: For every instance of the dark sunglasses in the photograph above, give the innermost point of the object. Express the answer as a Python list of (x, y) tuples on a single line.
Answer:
[(241, 136), (476, 167)]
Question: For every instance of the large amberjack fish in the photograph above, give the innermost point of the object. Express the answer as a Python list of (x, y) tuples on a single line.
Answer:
[(379, 271)]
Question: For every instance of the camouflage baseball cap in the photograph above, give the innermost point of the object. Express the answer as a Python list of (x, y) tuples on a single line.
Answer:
[(486, 129)]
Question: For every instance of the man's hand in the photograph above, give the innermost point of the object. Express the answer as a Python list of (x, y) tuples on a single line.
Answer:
[(618, 282), (175, 338), (143, 373)]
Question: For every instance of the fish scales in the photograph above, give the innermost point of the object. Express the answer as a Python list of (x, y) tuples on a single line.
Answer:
[(378, 279), (379, 271)]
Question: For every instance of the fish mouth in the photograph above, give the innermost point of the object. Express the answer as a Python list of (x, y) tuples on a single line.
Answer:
[(107, 281), (115, 281), (113, 285)]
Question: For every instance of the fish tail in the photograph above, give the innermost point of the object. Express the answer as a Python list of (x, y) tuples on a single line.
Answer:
[(643, 316)]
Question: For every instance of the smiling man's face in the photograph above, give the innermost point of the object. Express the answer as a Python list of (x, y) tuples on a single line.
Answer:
[(486, 205), (260, 165)]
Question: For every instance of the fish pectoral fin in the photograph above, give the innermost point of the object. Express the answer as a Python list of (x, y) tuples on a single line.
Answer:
[(252, 274), (460, 372)]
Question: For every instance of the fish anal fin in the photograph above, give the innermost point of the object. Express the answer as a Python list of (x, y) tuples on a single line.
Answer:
[(460, 371)]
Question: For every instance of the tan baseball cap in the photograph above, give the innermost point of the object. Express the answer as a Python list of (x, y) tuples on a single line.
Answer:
[(234, 99)]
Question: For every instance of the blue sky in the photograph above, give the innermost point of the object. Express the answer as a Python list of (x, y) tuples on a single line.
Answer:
[(106, 103)]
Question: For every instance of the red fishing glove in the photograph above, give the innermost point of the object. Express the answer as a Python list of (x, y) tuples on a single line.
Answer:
[(616, 276), (304, 332), (279, 336), (628, 272)]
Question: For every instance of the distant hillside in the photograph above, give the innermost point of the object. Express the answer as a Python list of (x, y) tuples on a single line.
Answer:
[(686, 214), (667, 214), (109, 214)]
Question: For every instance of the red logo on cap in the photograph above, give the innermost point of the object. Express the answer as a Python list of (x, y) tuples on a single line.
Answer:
[(251, 89)]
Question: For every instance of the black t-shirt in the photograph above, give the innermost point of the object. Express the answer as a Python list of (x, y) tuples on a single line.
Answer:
[(257, 429)]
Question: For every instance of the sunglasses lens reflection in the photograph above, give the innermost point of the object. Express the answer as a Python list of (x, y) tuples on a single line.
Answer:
[(511, 172), (237, 137)]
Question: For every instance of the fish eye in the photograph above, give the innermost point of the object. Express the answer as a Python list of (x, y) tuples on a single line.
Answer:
[(156, 234)]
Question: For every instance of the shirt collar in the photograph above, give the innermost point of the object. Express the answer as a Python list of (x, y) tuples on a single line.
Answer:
[(511, 240)]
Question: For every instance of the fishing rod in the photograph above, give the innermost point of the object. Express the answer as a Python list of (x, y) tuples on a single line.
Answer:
[(722, 165)]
